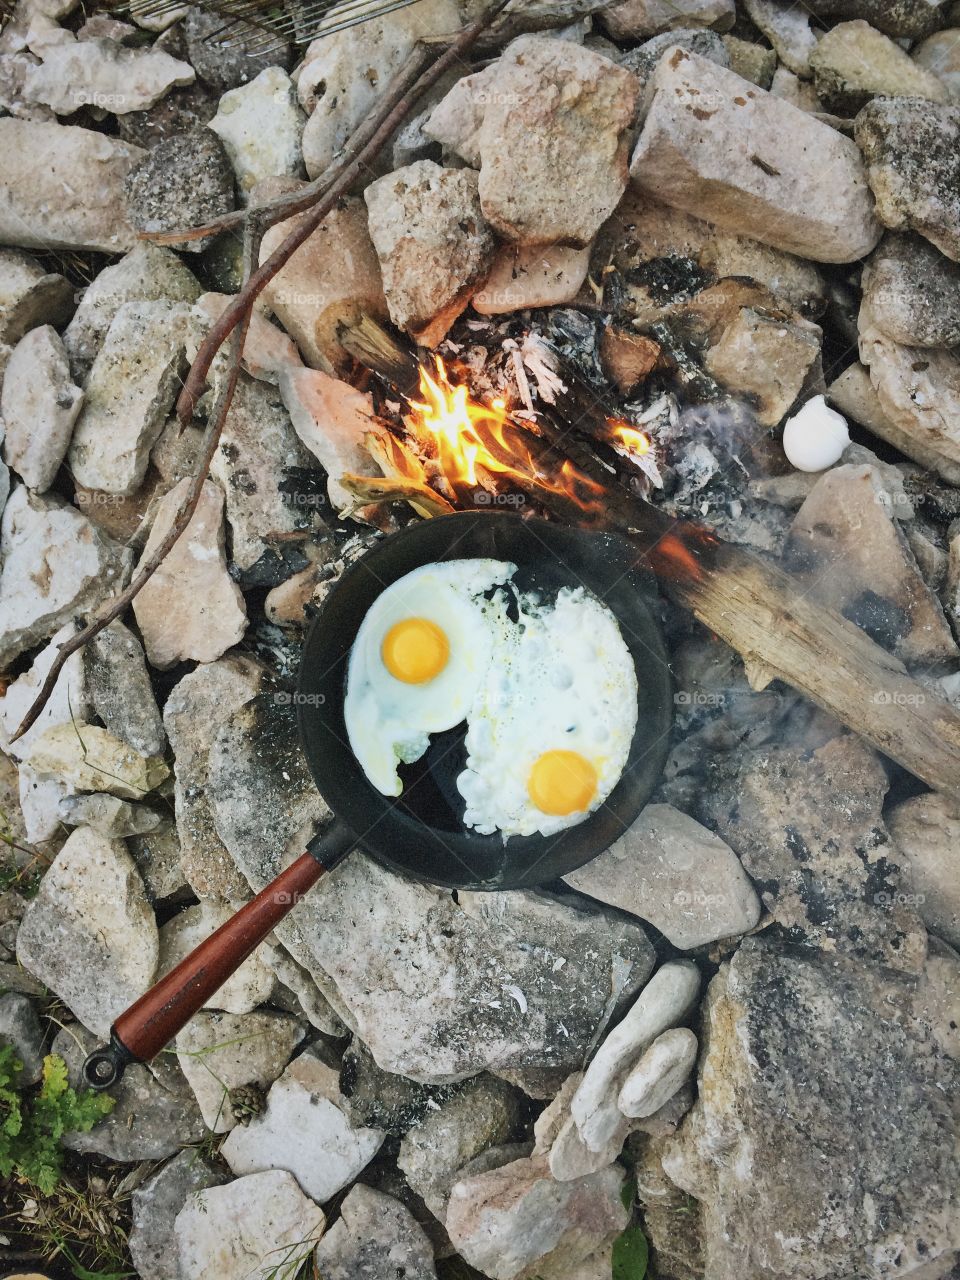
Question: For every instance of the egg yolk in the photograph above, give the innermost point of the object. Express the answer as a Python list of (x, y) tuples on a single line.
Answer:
[(562, 782), (415, 650)]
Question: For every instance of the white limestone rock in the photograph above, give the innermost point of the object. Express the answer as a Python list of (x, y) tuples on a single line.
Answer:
[(148, 273), (306, 1131), (535, 276), (129, 394), (155, 1204), (343, 74), (260, 125), (787, 27), (332, 279), (664, 1001), (63, 187), (853, 63), (39, 404), (245, 989), (219, 1052), (80, 567), (120, 690), (89, 758), (433, 242), (90, 934), (670, 870), (331, 418), (105, 75), (716, 145), (190, 608), (766, 360), (246, 1229), (554, 140), (927, 829), (662, 1069), (517, 1221), (30, 295)]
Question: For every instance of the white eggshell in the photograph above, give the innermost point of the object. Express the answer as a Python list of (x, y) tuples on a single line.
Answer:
[(816, 437)]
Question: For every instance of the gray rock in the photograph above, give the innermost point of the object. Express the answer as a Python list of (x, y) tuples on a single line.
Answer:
[(516, 1221), (224, 64), (783, 1170), (853, 63), (295, 984), (130, 391), (926, 830), (437, 1014), (157, 855), (852, 555), (249, 986), (633, 19), (192, 714), (81, 566), (103, 74), (155, 1114), (912, 152), (663, 1069), (183, 182), (30, 295), (642, 60), (913, 292), (222, 1052), (120, 690), (305, 1130), (156, 1203), (434, 245), (901, 19), (808, 829), (553, 142), (670, 870), (109, 815), (254, 463), (39, 404), (20, 1029), (701, 150), (482, 1115), (766, 359), (374, 1237), (148, 273), (754, 62), (90, 934), (260, 125), (380, 1099), (190, 608), (180, 111), (63, 187)]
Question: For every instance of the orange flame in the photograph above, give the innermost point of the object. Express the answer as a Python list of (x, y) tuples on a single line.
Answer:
[(465, 438)]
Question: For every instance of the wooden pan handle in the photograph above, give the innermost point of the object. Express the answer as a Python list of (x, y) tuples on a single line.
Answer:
[(152, 1021)]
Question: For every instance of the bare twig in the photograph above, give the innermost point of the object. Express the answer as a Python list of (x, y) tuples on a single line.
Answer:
[(229, 318)]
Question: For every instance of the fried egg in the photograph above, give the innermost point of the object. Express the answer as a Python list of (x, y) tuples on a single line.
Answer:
[(550, 729), (421, 655), (548, 691)]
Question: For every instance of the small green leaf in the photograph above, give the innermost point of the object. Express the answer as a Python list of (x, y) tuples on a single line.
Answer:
[(630, 1254), (627, 1193)]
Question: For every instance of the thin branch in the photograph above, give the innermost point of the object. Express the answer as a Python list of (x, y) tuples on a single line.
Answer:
[(196, 379)]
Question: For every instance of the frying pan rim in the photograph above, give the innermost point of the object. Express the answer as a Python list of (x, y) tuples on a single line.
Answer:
[(579, 848)]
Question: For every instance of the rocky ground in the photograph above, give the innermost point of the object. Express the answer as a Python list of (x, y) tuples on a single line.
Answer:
[(737, 1029)]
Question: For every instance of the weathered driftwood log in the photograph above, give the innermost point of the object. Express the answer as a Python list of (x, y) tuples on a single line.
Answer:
[(750, 603)]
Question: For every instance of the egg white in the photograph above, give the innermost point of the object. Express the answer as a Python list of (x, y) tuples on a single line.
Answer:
[(560, 679), (389, 721)]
